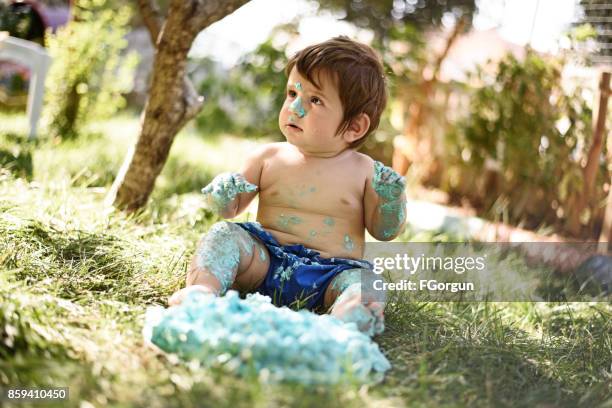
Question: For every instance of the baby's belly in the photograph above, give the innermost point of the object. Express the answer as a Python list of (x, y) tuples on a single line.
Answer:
[(331, 235)]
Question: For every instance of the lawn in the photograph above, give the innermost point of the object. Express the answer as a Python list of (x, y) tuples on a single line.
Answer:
[(76, 278)]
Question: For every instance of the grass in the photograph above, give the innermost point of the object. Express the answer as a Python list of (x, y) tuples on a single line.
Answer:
[(76, 278)]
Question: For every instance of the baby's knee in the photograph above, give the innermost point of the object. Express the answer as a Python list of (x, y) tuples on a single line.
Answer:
[(220, 235), (347, 279), (219, 252), (221, 230)]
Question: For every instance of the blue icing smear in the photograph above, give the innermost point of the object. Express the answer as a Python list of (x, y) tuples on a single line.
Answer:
[(281, 345), (297, 108), (286, 221), (262, 253), (348, 243), (225, 187), (387, 183)]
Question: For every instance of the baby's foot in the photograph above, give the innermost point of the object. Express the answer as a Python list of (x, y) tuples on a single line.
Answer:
[(368, 317), (179, 296)]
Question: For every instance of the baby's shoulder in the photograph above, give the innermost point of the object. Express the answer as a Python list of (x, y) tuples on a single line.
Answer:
[(360, 163), (362, 159), (265, 151)]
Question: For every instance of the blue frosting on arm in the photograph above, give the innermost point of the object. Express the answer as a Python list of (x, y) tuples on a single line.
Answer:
[(389, 186), (224, 188)]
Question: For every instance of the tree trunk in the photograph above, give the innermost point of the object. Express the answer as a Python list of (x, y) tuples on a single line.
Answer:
[(606, 229), (419, 112), (172, 99), (590, 170)]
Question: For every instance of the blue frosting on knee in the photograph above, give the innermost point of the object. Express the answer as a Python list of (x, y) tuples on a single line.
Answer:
[(346, 279), (220, 251), (278, 343)]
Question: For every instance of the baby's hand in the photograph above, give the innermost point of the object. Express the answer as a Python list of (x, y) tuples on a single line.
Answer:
[(225, 187), (388, 184)]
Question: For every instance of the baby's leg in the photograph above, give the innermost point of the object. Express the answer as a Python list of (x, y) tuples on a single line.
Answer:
[(226, 257), (345, 298)]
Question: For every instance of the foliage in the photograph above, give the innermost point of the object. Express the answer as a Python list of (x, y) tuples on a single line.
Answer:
[(382, 16), (246, 99), (88, 76), (519, 151), (21, 21), (399, 28)]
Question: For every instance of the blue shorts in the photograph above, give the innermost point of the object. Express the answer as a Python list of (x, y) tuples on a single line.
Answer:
[(298, 276)]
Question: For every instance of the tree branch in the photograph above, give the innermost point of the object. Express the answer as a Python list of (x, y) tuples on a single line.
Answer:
[(152, 18), (208, 12), (449, 43), (193, 101)]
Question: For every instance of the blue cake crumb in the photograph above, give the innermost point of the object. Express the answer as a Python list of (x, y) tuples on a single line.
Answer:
[(280, 344)]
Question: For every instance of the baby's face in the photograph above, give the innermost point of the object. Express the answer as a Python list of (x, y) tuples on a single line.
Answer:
[(310, 116)]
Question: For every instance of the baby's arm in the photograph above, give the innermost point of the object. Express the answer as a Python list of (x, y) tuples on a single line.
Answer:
[(230, 193), (384, 203)]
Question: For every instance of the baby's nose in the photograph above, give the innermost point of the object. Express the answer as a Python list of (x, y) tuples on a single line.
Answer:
[(297, 108)]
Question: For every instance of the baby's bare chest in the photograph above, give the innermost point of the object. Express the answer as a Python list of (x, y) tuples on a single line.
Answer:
[(324, 189)]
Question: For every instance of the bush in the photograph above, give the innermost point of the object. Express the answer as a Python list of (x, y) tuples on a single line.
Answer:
[(88, 76), (518, 154)]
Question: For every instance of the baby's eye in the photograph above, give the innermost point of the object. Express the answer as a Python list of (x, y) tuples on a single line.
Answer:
[(315, 100), (292, 93)]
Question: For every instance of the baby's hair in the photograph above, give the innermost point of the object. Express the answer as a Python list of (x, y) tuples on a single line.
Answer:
[(356, 70)]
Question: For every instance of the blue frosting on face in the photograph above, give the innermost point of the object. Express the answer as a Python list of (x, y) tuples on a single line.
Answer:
[(297, 108), (279, 343)]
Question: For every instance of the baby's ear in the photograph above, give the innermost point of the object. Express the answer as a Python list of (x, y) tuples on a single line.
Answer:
[(358, 127)]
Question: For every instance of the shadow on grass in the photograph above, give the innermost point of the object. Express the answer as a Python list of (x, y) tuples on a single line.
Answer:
[(76, 263), (470, 354), (16, 155)]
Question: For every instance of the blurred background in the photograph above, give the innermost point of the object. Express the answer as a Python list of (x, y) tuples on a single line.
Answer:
[(498, 109)]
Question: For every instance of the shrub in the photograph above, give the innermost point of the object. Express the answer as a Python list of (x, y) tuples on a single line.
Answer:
[(519, 152), (88, 75)]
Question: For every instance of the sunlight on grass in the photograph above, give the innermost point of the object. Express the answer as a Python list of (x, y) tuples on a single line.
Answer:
[(14, 123)]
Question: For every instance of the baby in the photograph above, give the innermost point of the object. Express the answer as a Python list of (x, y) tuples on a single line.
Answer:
[(317, 194)]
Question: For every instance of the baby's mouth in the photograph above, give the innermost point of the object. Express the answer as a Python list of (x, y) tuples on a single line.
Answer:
[(291, 125)]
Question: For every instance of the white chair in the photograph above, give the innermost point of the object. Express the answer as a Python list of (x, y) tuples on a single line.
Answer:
[(38, 61)]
